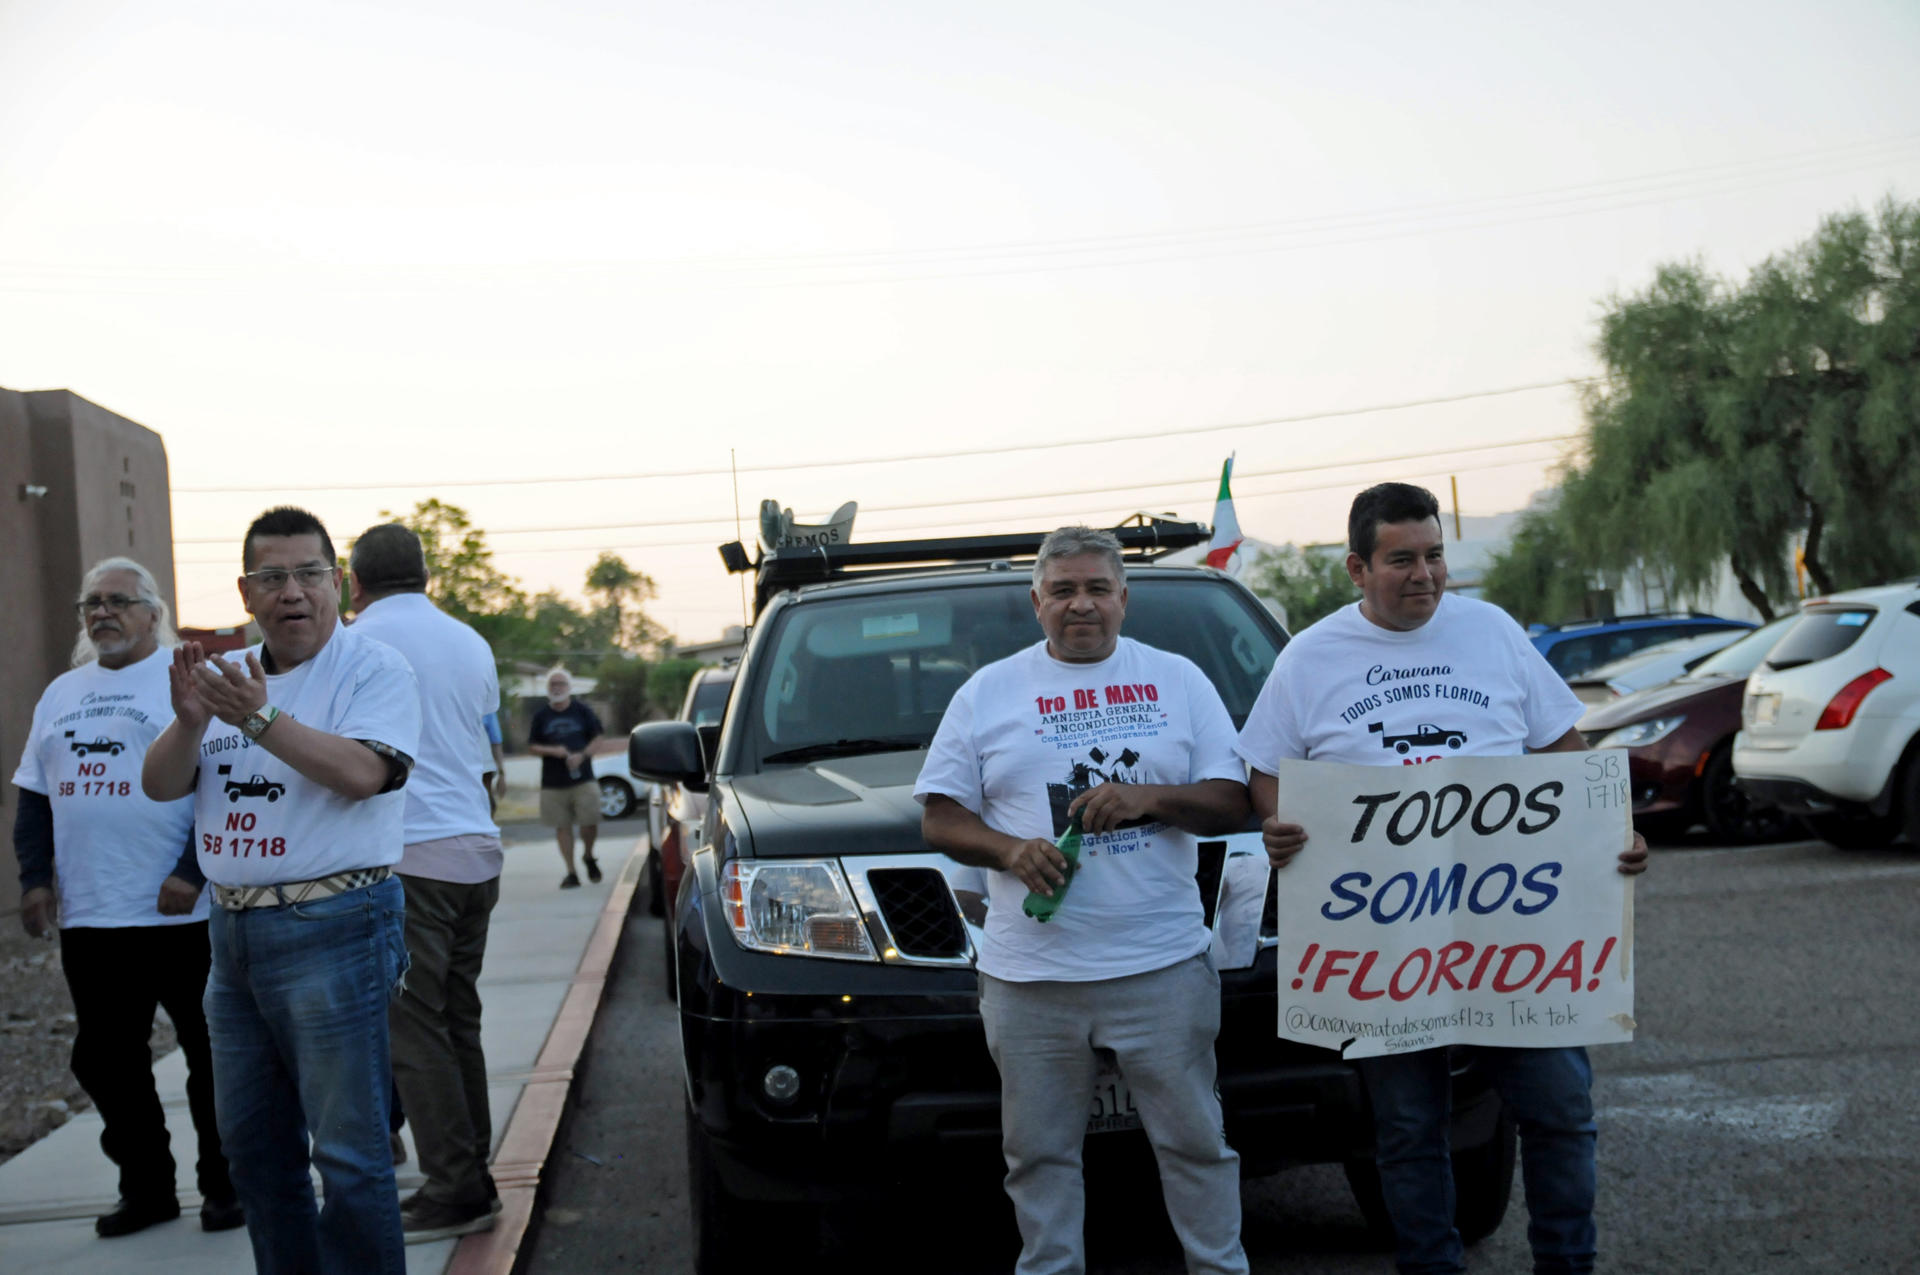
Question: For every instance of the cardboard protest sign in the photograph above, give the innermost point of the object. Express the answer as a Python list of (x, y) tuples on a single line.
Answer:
[(1471, 900)]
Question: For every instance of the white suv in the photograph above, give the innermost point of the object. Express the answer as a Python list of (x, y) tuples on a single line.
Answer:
[(1830, 728)]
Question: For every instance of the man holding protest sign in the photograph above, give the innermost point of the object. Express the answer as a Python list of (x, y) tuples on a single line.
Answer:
[(1122, 966), (1410, 675)]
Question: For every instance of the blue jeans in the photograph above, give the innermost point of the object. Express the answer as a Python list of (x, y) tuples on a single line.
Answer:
[(1550, 1094), (297, 1009)]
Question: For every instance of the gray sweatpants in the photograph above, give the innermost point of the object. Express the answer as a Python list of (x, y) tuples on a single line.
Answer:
[(1161, 1026)]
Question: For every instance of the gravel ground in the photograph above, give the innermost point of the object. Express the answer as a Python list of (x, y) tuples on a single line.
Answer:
[(37, 1090)]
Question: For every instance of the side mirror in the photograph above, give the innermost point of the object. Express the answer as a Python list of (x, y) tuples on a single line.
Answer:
[(709, 745), (667, 753)]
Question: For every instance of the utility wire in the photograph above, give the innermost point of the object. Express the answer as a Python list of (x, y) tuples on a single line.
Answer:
[(923, 529), (1186, 481), (1673, 181), (256, 489)]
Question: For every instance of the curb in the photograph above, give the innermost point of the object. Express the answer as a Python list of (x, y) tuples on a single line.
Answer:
[(529, 1134)]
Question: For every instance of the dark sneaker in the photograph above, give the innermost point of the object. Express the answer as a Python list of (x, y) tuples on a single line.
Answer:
[(423, 1219), (571, 881), (218, 1214), (136, 1215), (593, 870)]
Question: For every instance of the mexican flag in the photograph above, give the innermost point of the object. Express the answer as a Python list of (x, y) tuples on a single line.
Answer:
[(1224, 550)]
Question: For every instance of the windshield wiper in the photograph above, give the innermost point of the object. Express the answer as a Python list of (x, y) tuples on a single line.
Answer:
[(848, 748)]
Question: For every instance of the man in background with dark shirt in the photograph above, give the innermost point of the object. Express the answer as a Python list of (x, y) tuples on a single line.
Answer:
[(560, 736)]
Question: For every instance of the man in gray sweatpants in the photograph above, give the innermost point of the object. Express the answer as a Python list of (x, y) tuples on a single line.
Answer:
[(1120, 969)]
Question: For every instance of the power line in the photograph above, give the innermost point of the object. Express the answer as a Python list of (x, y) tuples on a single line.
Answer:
[(1672, 182), (905, 457), (1185, 481), (915, 531)]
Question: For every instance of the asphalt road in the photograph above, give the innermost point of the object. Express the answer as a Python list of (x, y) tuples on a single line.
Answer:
[(1765, 1120)]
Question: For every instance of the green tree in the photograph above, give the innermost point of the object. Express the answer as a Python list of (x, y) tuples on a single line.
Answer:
[(667, 682), (1307, 583), (1541, 577), (620, 594), (1736, 423), (461, 576), (623, 681)]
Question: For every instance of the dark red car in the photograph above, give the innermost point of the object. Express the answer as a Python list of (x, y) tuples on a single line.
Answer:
[(1679, 742)]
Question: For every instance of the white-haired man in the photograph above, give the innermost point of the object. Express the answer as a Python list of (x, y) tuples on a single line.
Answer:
[(561, 733), (1122, 965), (116, 873)]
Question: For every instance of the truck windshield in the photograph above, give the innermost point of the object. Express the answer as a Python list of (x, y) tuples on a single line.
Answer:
[(874, 672)]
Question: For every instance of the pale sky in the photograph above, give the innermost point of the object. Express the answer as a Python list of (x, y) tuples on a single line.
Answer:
[(440, 244)]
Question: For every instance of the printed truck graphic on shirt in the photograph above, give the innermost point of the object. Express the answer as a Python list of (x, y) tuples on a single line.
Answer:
[(111, 747), (252, 786), (1425, 735)]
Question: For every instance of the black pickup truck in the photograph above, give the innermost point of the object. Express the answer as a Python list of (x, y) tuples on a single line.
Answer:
[(823, 953)]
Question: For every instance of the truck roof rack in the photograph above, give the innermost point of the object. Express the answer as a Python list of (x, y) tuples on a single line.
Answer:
[(1142, 539)]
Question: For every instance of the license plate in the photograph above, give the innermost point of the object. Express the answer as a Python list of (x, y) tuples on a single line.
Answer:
[(1766, 709), (1113, 1107)]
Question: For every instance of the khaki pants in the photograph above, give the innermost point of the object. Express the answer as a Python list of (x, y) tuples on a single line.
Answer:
[(575, 807)]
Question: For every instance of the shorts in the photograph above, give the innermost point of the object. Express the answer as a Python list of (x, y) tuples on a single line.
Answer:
[(570, 807)]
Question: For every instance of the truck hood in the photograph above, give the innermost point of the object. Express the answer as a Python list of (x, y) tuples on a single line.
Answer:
[(839, 806)]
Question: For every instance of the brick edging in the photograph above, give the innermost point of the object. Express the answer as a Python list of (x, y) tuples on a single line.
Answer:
[(524, 1146)]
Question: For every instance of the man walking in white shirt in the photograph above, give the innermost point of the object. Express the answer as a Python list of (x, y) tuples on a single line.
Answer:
[(451, 873)]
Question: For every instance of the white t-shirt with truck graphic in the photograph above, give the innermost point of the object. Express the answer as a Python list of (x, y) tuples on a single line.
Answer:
[(259, 821)]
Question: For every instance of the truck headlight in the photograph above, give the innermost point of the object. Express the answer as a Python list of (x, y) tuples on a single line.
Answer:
[(1640, 734), (797, 907)]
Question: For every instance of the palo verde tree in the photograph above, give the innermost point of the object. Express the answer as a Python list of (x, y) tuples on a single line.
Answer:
[(1736, 422), (1307, 583)]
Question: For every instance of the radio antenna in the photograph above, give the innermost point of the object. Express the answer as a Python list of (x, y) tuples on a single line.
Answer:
[(734, 465)]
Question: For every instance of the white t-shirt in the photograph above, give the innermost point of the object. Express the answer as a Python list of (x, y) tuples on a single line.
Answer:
[(458, 686), (1027, 734), (112, 847), (1467, 683), (261, 822)]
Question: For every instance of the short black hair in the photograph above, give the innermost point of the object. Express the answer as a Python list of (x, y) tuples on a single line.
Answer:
[(389, 559), (286, 520), (1388, 503)]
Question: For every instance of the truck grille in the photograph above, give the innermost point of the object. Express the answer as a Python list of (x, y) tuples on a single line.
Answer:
[(919, 910)]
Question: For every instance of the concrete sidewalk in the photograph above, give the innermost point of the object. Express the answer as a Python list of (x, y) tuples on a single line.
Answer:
[(547, 954)]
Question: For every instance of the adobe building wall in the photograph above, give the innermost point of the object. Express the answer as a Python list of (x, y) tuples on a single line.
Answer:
[(106, 493)]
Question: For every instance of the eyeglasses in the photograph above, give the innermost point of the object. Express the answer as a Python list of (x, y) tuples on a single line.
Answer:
[(114, 602), (273, 579)]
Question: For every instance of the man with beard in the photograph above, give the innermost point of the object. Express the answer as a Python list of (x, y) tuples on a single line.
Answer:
[(132, 920)]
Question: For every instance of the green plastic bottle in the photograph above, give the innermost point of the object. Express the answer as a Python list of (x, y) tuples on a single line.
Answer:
[(1041, 907)]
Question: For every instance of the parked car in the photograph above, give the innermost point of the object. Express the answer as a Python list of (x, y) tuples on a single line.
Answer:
[(676, 813), (1830, 728), (1574, 648), (1651, 666), (823, 953), (1679, 742), (620, 793)]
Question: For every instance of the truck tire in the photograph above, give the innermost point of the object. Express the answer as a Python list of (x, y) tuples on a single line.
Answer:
[(731, 1236)]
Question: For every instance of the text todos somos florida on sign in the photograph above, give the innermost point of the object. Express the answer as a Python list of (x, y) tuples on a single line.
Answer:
[(1477, 904)]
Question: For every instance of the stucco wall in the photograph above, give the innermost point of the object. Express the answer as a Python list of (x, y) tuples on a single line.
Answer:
[(106, 493)]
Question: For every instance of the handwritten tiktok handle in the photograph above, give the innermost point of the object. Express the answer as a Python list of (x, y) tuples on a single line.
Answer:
[(1041, 907)]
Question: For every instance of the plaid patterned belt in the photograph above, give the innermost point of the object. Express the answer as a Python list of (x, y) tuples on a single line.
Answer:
[(238, 898)]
